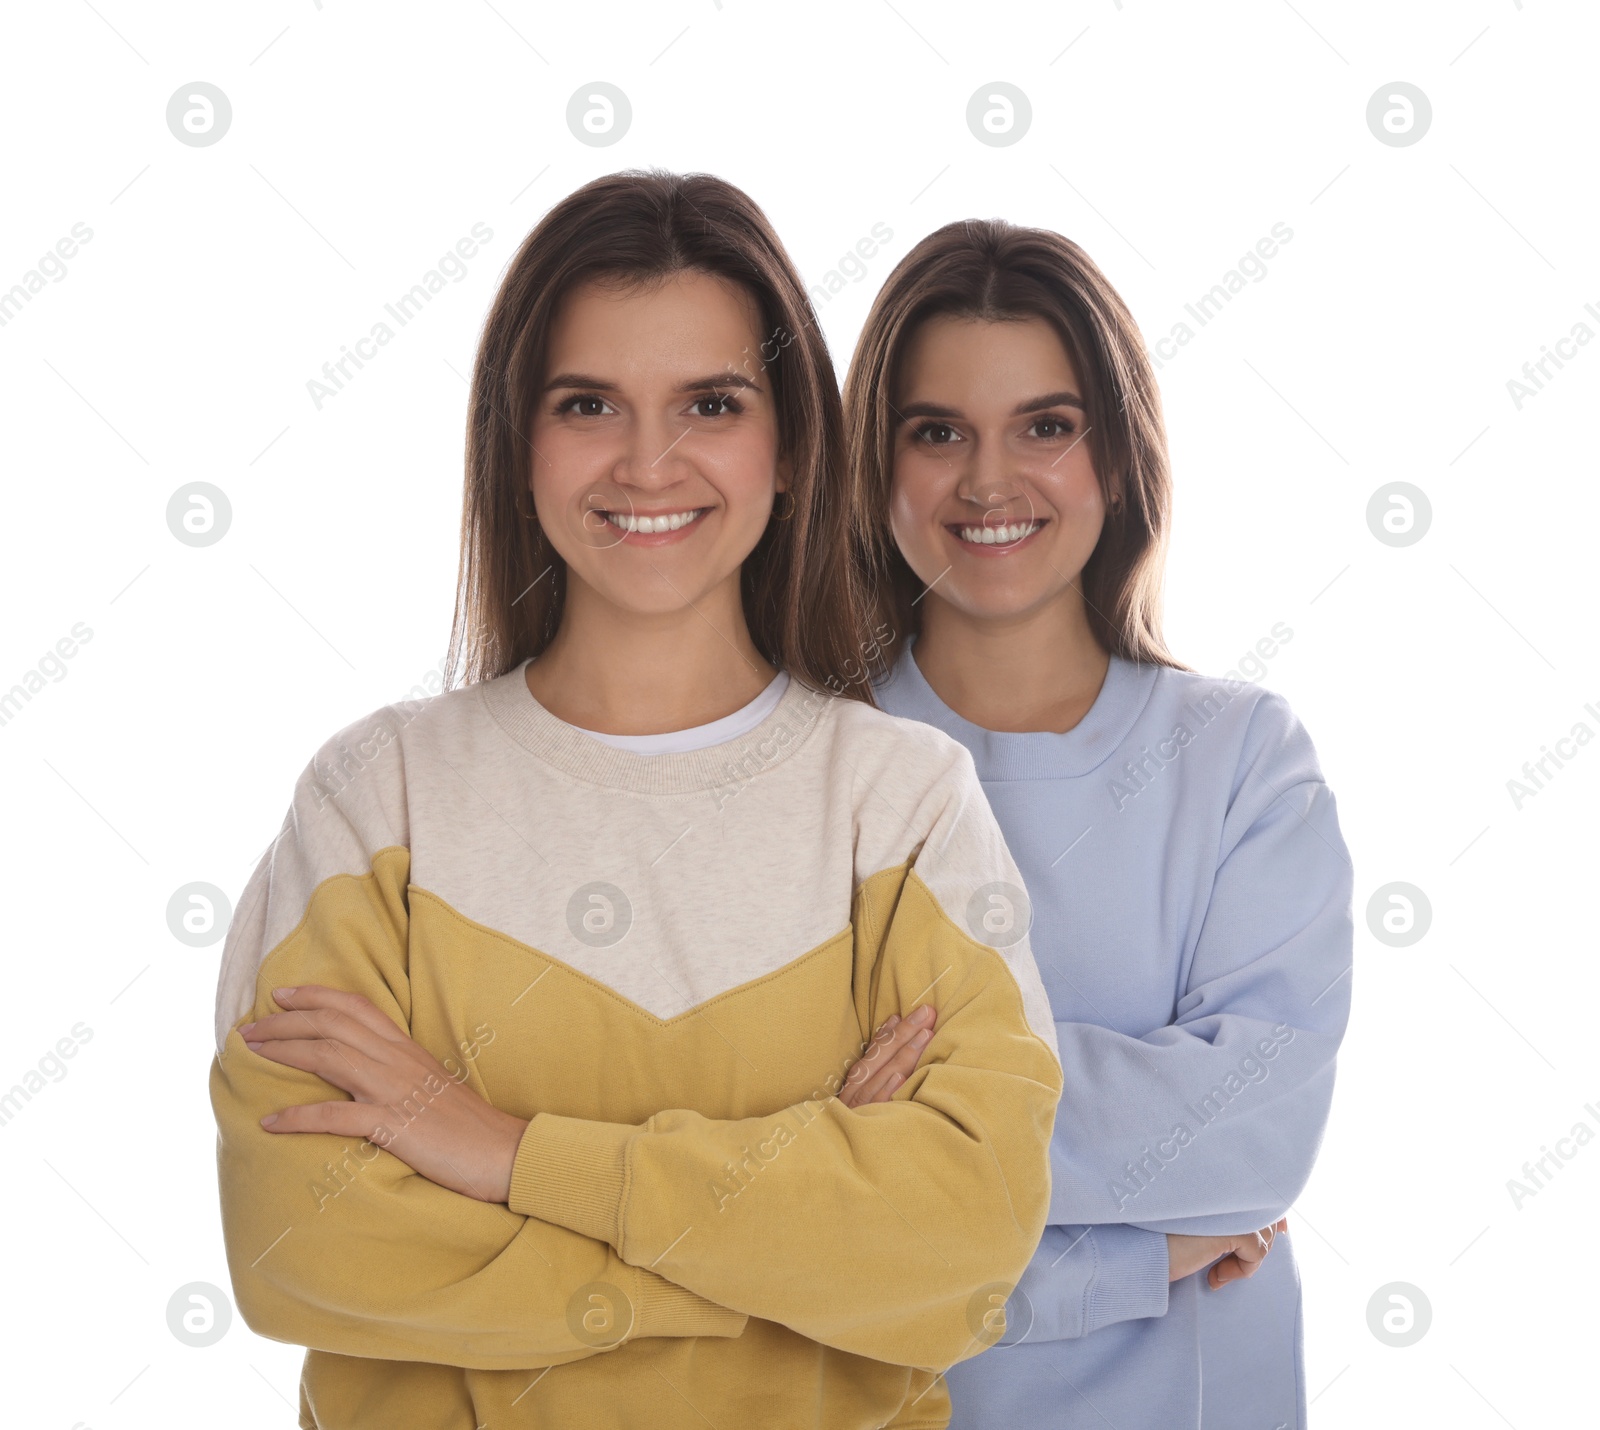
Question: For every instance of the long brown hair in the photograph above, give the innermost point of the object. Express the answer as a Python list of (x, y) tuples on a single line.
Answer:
[(805, 593), (995, 271)]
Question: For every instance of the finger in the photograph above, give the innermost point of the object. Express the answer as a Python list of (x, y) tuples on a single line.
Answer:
[(317, 1040), (352, 1005), (897, 1055), (1226, 1270), (340, 1119), (876, 1050), (329, 1059), (866, 1075), (1251, 1253), (878, 1087), (883, 1089), (1232, 1267), (356, 1007), (861, 1071), (1251, 1249), (904, 1031), (338, 1024)]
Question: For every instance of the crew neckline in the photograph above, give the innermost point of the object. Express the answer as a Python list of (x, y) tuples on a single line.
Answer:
[(573, 751), (1032, 754), (700, 737)]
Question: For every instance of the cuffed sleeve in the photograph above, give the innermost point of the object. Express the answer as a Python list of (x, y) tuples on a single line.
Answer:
[(1085, 1277), (572, 1172)]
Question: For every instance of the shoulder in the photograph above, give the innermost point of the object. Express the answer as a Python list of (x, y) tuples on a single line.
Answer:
[(1247, 756), (904, 781), (911, 751), (1241, 722), (355, 780)]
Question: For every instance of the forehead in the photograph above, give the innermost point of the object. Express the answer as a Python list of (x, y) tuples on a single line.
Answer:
[(690, 320), (985, 357)]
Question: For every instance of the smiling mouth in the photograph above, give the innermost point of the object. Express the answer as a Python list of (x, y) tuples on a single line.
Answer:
[(650, 525), (1009, 535)]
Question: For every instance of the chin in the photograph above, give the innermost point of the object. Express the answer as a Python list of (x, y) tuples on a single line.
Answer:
[(645, 603), (992, 604)]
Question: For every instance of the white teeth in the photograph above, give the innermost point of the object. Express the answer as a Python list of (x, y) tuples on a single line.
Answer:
[(999, 535), (649, 525)]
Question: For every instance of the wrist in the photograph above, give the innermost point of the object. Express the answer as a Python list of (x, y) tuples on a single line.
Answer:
[(506, 1141), (1188, 1254)]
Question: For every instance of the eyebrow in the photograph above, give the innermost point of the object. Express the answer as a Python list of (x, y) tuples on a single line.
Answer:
[(1033, 404), (729, 378)]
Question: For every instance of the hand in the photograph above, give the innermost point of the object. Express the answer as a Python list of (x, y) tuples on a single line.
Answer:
[(1231, 1258), (890, 1058), (405, 1101)]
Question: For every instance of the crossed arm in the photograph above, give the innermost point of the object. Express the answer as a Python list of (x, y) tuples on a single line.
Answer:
[(892, 1057), (465, 1144)]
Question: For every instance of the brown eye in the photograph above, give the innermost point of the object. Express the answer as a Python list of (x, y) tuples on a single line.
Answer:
[(937, 433), (1048, 427)]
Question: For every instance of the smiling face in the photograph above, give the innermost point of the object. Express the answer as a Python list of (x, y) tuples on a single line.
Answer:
[(994, 502), (656, 445)]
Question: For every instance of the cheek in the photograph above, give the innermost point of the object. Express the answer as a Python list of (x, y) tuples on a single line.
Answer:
[(1075, 493), (741, 465), (560, 461), (913, 497), (569, 472)]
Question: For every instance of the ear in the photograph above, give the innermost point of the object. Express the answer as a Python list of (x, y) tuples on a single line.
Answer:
[(785, 471)]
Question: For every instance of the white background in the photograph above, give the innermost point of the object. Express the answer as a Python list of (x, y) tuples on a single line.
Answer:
[(1167, 138)]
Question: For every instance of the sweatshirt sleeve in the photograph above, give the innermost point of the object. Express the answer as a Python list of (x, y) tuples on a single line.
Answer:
[(893, 1231), (1211, 1124), (1085, 1277), (333, 1243)]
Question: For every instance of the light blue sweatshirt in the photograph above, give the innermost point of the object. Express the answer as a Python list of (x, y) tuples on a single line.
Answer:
[(1191, 906)]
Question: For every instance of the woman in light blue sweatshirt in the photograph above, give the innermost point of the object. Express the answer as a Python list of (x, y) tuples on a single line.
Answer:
[(1190, 891)]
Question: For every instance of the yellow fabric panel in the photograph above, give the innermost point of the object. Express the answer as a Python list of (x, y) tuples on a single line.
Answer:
[(561, 1042), (337, 1245), (875, 1230), (768, 1378)]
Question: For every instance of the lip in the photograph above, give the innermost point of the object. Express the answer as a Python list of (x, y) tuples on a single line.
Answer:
[(972, 548), (654, 538)]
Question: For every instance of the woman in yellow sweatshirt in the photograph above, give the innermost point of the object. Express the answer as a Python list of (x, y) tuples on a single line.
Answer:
[(531, 1023)]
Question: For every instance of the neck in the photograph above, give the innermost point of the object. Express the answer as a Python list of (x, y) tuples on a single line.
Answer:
[(624, 672), (1039, 670)]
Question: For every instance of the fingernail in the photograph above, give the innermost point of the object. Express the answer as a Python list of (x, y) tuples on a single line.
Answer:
[(246, 1029), (922, 1039), (894, 1082), (922, 1017), (283, 992), (252, 1046), (269, 1119)]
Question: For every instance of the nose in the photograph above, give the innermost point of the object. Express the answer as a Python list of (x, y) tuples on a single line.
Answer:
[(652, 455), (988, 488)]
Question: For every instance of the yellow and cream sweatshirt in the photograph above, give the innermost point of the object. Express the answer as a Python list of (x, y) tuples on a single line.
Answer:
[(666, 963)]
